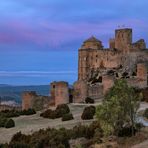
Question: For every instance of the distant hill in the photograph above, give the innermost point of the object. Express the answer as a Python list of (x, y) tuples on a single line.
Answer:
[(13, 93)]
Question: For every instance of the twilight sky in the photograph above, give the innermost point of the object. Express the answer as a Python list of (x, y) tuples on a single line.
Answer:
[(39, 40)]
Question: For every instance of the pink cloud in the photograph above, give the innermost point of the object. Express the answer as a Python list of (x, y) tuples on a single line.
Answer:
[(56, 34)]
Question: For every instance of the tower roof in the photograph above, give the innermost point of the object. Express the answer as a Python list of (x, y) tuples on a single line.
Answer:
[(92, 39)]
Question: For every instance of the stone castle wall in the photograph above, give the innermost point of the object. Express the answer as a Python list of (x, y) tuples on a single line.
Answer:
[(27, 99), (32, 100), (99, 67), (80, 91)]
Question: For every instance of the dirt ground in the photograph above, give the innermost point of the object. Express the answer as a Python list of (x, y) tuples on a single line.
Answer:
[(29, 124)]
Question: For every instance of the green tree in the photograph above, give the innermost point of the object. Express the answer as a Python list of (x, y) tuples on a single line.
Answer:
[(119, 108)]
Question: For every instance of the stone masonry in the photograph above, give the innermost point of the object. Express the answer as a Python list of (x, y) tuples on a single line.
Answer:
[(99, 67)]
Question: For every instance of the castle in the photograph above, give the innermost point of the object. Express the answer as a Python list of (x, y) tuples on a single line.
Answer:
[(99, 67)]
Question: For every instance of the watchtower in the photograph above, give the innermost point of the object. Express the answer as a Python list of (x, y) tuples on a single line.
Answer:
[(59, 92), (123, 38)]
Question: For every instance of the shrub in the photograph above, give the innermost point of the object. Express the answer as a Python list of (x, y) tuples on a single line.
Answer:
[(58, 113), (89, 100), (146, 113), (97, 136), (28, 112), (3, 120), (88, 113), (20, 138), (67, 117), (9, 113), (48, 114), (63, 108), (56, 138), (9, 124), (145, 94), (126, 131), (92, 128)]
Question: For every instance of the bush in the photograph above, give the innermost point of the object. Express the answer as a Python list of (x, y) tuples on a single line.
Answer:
[(9, 124), (89, 100), (58, 113), (56, 138), (63, 108), (67, 117), (3, 120), (9, 113), (146, 113), (88, 113), (48, 114), (28, 112), (92, 128), (126, 131)]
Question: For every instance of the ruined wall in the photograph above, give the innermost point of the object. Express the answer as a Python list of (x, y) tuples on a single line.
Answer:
[(80, 91), (27, 99), (32, 100), (140, 44), (95, 91), (107, 82), (60, 92), (142, 71), (112, 43)]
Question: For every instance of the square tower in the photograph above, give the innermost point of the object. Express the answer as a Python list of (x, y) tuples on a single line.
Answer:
[(123, 38)]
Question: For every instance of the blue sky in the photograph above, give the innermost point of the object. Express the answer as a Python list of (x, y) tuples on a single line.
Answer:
[(39, 40)]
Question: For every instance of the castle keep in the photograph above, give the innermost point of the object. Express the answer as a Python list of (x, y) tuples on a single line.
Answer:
[(99, 67)]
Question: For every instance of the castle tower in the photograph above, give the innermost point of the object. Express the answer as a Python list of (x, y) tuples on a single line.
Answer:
[(59, 92), (83, 64), (123, 38), (91, 44)]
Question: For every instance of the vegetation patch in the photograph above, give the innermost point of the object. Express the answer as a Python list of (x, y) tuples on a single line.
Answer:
[(89, 100), (9, 123), (119, 108), (67, 117), (88, 113), (60, 111), (5, 116), (146, 113), (54, 138)]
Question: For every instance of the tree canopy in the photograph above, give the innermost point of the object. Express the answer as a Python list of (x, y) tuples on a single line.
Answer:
[(119, 107)]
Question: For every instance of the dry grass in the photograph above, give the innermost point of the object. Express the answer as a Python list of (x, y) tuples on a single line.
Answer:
[(29, 124)]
